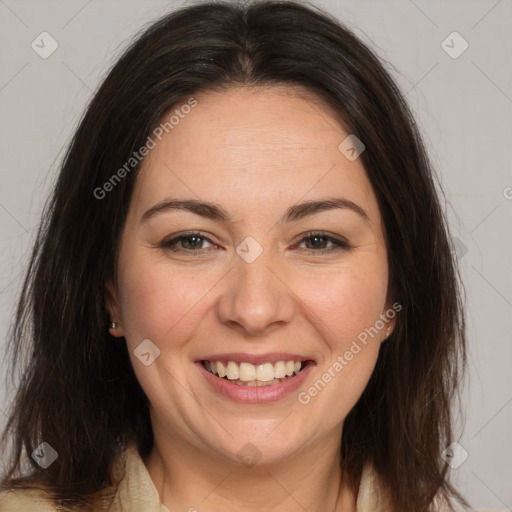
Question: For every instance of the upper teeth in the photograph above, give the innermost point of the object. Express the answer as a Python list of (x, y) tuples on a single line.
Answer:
[(248, 372)]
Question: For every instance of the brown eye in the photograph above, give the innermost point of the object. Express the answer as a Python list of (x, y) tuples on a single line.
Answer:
[(318, 242), (189, 242)]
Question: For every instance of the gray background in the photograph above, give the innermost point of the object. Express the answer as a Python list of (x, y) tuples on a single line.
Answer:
[(463, 106)]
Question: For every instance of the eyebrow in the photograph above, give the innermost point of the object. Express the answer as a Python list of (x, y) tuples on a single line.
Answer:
[(213, 211)]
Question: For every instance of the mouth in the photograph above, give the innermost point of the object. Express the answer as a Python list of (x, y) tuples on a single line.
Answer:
[(246, 374)]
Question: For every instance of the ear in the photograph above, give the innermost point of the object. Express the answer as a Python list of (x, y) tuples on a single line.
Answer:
[(389, 315), (113, 309)]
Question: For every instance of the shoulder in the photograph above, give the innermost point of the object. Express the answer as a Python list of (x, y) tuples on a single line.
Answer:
[(374, 495), (34, 499), (26, 500)]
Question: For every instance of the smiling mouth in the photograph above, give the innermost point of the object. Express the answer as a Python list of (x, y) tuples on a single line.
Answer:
[(247, 374)]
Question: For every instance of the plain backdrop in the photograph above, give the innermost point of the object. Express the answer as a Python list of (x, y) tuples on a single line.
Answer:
[(463, 105)]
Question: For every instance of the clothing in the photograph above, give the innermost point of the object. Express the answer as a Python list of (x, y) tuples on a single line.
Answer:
[(135, 491)]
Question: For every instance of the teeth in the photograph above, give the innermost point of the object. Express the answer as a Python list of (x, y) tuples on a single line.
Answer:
[(221, 369), (280, 370), (251, 375), (247, 372), (232, 372), (256, 383), (265, 372)]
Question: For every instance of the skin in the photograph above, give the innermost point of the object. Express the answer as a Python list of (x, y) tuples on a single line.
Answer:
[(255, 152)]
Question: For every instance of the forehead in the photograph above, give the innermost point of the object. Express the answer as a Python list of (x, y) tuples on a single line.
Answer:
[(276, 143), (255, 122)]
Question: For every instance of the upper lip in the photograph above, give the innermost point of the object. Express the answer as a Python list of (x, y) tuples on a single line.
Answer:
[(255, 359)]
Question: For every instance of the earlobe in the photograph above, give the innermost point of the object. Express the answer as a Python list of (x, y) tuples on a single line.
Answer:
[(389, 316), (112, 307)]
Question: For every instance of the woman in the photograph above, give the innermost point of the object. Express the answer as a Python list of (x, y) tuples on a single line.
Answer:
[(242, 295)]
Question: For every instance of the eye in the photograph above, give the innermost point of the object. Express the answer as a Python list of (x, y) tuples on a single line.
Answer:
[(318, 242), (193, 242), (187, 242)]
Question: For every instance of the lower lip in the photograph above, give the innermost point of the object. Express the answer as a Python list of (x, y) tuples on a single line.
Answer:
[(255, 394)]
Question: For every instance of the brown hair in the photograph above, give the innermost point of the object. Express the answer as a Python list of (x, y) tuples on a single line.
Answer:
[(78, 391)]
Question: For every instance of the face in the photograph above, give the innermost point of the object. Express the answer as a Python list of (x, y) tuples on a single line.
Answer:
[(256, 278)]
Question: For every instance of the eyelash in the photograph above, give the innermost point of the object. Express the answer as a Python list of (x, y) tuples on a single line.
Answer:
[(339, 245)]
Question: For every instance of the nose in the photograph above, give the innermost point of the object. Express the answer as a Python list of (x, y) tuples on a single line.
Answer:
[(256, 299)]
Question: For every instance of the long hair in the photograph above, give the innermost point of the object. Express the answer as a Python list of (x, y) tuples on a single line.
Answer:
[(77, 389)]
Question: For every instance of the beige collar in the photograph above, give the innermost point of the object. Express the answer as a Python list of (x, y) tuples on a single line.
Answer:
[(137, 493)]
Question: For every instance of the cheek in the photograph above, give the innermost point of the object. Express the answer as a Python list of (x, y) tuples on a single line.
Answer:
[(160, 302), (344, 307), (344, 303)]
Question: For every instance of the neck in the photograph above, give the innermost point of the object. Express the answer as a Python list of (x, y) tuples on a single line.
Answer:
[(188, 478)]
